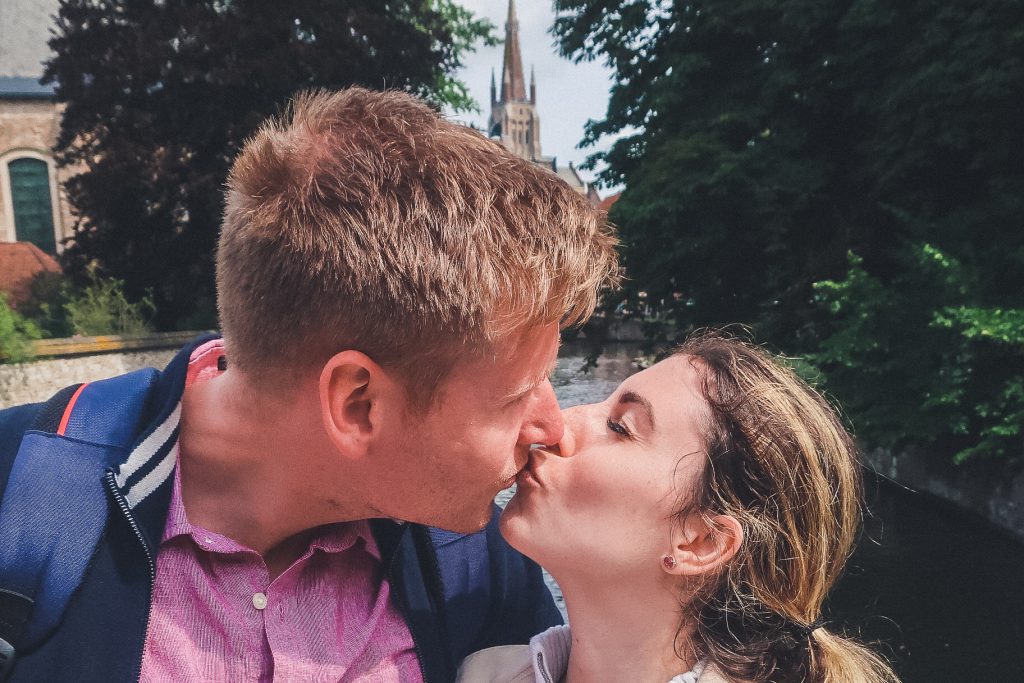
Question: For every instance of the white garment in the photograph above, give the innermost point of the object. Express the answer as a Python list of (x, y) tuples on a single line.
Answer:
[(544, 660)]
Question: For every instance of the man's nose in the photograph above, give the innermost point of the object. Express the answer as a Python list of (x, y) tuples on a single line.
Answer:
[(543, 424)]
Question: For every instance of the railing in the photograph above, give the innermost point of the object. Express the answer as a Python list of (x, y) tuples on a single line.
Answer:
[(80, 346)]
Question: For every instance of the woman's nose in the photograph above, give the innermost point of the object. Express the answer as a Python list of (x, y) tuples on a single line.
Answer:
[(567, 444)]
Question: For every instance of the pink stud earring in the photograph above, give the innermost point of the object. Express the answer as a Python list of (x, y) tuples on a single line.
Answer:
[(669, 562)]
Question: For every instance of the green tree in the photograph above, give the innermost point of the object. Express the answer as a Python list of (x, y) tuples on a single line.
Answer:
[(160, 96), (762, 141), (915, 365)]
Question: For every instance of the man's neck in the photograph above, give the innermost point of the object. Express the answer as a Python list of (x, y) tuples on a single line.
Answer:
[(253, 468), (624, 632)]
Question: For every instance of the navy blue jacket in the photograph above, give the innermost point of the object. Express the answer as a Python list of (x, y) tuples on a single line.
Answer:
[(458, 593)]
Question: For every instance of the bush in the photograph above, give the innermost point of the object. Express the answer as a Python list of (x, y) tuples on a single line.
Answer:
[(102, 308), (16, 335), (48, 294)]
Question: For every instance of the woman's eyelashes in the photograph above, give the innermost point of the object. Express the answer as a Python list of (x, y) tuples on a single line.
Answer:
[(619, 428)]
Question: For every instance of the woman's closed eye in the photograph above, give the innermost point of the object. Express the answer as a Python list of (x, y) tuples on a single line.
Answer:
[(619, 429)]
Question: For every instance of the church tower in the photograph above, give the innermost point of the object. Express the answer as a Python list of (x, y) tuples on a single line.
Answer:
[(514, 118)]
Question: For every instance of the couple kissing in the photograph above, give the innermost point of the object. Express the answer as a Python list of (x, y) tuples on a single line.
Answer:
[(308, 496)]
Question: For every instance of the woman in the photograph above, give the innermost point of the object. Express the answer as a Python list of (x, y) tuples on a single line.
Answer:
[(708, 506)]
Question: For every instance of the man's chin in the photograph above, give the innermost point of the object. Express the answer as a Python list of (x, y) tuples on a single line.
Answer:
[(470, 522)]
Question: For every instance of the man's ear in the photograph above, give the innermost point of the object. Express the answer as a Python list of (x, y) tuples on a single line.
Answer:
[(703, 545), (351, 388)]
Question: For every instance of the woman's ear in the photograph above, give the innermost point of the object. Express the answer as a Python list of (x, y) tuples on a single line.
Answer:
[(348, 388), (702, 545)]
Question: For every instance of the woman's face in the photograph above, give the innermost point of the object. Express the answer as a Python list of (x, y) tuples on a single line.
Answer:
[(609, 507)]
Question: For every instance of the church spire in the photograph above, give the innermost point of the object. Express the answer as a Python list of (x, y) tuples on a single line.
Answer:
[(514, 118), (513, 85)]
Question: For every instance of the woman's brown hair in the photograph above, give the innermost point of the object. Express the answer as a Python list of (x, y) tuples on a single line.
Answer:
[(780, 461)]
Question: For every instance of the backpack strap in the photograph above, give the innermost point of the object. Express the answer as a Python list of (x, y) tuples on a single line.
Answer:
[(54, 508), (15, 607)]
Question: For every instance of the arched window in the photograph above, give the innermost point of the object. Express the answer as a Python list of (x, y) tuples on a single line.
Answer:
[(32, 202)]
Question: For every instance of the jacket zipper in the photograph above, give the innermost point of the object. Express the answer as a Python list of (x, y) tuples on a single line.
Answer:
[(543, 669), (123, 504)]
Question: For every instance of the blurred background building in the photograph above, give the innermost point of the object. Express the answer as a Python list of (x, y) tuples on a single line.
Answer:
[(32, 206)]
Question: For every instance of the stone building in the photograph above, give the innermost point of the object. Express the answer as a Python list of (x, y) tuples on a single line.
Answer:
[(33, 207), (514, 119)]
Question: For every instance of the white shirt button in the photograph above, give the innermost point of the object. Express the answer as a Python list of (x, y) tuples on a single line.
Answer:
[(259, 600)]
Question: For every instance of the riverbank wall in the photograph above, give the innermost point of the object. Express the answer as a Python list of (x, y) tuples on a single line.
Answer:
[(62, 362), (39, 380), (980, 488)]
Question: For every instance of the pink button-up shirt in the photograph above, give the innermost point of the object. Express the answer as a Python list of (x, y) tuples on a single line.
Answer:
[(217, 616)]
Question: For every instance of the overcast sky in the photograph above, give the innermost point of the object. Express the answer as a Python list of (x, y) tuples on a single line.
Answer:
[(567, 94)]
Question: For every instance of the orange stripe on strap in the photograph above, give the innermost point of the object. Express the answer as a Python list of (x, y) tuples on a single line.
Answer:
[(67, 411)]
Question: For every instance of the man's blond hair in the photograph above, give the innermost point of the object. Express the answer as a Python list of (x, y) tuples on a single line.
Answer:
[(363, 220)]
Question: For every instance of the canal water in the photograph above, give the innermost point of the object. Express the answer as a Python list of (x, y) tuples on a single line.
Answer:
[(938, 591)]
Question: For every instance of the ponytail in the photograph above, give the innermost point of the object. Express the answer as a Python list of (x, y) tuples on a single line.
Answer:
[(781, 463), (760, 646), (836, 659)]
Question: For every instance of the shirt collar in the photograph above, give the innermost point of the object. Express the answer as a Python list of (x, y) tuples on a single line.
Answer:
[(549, 656), (549, 653)]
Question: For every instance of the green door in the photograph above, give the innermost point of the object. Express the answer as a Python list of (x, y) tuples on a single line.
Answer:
[(33, 208)]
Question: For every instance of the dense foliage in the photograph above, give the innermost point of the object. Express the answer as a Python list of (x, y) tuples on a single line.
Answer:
[(57, 307), (846, 177), (160, 96), (101, 307), (16, 334)]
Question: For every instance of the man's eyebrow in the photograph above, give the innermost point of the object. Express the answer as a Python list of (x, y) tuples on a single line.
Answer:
[(548, 371), (537, 381), (645, 405)]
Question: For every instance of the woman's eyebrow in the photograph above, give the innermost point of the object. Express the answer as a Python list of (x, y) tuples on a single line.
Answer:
[(645, 405)]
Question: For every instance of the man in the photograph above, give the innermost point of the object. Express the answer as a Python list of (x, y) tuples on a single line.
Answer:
[(391, 288)]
